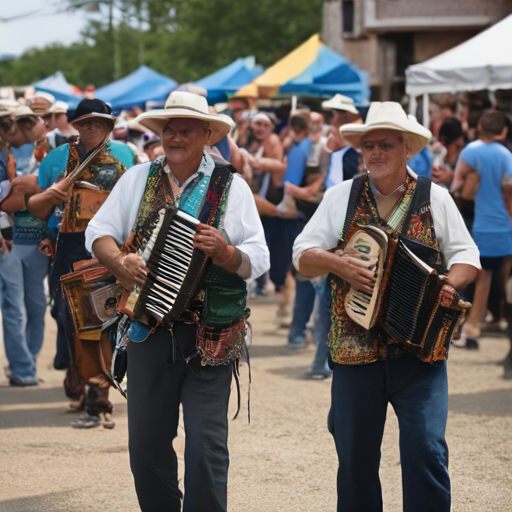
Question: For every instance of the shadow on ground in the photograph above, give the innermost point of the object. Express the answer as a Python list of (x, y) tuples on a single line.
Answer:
[(295, 372), (269, 351), (31, 395), (49, 417), (486, 403), (51, 502)]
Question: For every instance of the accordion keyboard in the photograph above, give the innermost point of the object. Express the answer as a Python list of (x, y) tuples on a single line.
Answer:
[(170, 261)]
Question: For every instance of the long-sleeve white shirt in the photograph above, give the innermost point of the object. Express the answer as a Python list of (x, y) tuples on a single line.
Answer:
[(325, 227), (241, 221)]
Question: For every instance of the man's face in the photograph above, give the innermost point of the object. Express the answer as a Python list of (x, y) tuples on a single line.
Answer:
[(184, 139), (33, 128), (317, 122), (261, 129), (385, 152), (61, 121), (455, 148), (11, 132), (92, 131)]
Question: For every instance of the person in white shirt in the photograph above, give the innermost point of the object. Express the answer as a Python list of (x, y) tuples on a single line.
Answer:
[(370, 369), (173, 366)]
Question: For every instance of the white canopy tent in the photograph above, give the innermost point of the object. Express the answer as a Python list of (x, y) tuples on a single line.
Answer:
[(482, 62)]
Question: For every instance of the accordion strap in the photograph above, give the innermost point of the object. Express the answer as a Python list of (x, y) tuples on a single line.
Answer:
[(353, 202), (420, 198)]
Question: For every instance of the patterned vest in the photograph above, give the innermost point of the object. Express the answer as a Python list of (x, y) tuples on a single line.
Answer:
[(350, 343)]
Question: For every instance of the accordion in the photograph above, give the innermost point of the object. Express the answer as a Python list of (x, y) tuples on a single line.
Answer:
[(410, 300), (175, 271), (93, 295)]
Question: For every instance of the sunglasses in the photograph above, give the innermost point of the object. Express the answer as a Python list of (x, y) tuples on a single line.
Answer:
[(5, 126), (90, 125)]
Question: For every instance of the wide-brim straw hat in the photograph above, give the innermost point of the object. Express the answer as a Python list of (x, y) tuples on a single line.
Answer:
[(340, 102), (388, 115), (182, 104)]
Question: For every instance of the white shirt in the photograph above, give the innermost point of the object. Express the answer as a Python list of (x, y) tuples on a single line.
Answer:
[(241, 221), (324, 228)]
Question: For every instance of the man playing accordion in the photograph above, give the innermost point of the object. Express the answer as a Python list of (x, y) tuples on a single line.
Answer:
[(372, 367), (213, 242)]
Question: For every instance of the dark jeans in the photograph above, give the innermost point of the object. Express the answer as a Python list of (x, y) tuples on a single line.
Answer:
[(418, 392), (280, 235), (156, 387)]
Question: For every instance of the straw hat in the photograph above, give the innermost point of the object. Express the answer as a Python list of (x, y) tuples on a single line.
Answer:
[(340, 102), (181, 104), (388, 115), (59, 107)]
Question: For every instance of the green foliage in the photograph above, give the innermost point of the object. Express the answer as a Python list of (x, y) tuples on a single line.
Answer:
[(182, 39)]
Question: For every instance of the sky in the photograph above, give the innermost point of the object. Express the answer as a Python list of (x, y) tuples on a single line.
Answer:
[(41, 28)]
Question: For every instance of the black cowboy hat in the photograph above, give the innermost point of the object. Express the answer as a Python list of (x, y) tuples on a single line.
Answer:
[(93, 108)]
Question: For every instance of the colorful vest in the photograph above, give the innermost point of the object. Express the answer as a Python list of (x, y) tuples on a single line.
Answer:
[(205, 197), (350, 343)]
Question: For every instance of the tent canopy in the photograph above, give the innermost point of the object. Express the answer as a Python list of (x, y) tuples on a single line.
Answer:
[(136, 89), (482, 62), (60, 88), (229, 79), (315, 70)]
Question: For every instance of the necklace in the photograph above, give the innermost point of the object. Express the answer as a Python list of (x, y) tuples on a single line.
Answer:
[(400, 188)]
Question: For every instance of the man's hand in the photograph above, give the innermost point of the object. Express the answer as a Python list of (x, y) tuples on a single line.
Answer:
[(442, 175), (6, 245), (355, 271), (211, 241), (130, 269), (62, 191)]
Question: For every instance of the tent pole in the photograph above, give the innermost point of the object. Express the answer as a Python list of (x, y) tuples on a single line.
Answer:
[(413, 105), (294, 104), (426, 117)]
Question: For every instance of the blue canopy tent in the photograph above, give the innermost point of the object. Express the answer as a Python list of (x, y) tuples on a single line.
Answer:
[(136, 89), (330, 73), (229, 79), (60, 88)]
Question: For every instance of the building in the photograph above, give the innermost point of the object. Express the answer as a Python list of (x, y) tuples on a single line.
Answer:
[(384, 37)]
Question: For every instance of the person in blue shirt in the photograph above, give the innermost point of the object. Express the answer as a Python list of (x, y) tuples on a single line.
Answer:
[(94, 121), (488, 165)]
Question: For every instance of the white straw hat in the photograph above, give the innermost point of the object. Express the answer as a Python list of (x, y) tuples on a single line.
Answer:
[(340, 102), (190, 105), (388, 115)]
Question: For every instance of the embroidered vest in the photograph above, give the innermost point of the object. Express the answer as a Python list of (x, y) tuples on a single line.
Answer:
[(350, 343), (204, 198)]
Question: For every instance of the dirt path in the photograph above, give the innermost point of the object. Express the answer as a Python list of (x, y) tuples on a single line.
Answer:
[(283, 462)]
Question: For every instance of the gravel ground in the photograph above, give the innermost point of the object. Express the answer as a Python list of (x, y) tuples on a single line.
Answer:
[(284, 461)]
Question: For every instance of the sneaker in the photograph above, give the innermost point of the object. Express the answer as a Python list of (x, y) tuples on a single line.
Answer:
[(23, 381), (297, 342), (86, 421), (318, 376)]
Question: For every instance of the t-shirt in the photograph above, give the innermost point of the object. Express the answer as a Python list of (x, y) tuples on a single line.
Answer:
[(297, 160), (56, 161), (421, 163), (492, 227)]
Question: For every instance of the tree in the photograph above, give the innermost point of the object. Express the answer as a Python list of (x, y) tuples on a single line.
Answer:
[(183, 39)]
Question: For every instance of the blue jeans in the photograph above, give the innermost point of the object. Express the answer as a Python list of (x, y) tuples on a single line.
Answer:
[(22, 274), (321, 331), (418, 392), (304, 302)]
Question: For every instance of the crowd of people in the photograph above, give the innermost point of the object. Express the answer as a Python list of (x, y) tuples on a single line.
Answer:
[(287, 161)]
